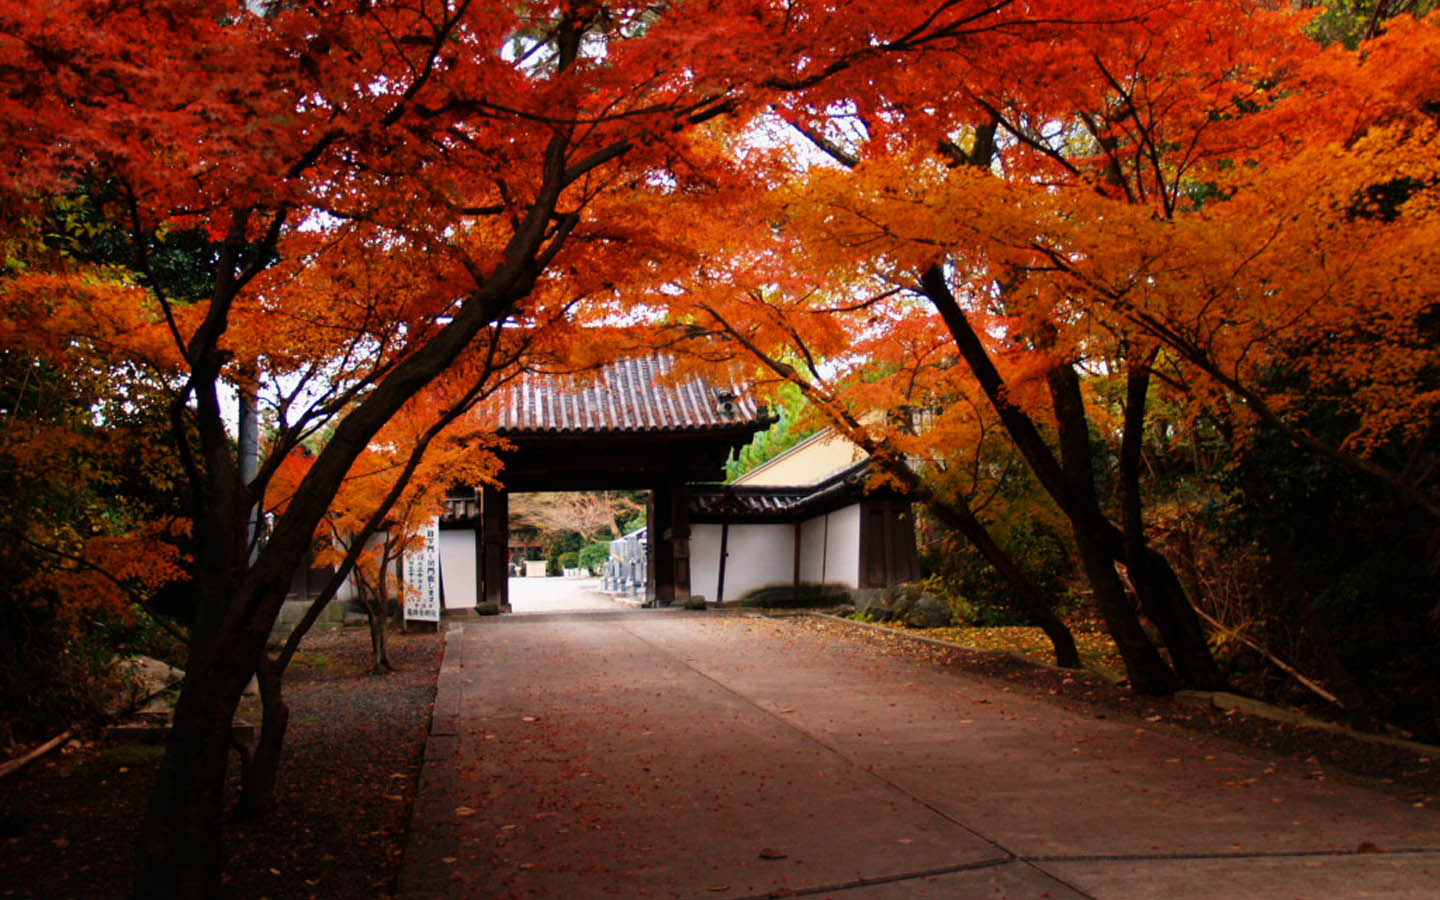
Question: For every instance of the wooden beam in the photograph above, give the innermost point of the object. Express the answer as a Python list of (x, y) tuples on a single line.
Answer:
[(906, 550), (724, 554)]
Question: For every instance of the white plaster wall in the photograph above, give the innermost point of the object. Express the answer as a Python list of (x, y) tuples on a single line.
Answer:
[(704, 560), (812, 550), (457, 567), (760, 555), (842, 553), (830, 548)]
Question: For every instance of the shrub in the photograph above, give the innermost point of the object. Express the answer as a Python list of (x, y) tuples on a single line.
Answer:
[(960, 575), (593, 556), (59, 671)]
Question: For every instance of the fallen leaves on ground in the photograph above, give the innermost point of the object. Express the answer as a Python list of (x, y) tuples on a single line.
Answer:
[(352, 763), (1096, 647)]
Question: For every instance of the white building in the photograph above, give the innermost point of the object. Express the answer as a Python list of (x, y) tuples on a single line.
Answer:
[(804, 517)]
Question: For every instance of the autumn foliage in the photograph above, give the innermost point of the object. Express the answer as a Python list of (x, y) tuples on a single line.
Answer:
[(1155, 281), (1194, 230)]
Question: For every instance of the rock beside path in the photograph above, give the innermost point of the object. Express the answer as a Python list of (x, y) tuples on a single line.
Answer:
[(907, 604)]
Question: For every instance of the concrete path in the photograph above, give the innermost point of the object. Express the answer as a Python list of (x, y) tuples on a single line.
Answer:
[(671, 754), (553, 595)]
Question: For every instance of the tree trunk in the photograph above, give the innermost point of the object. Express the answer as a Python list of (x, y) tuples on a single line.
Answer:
[(375, 599), (1161, 595), (1165, 602), (180, 837), (257, 786), (379, 652), (1146, 668), (1148, 671), (179, 850), (1071, 485)]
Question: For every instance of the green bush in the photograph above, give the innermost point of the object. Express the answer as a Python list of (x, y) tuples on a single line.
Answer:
[(593, 556), (568, 560), (58, 672), (958, 573)]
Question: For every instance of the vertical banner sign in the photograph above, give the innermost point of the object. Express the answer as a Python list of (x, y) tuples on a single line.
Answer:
[(422, 576)]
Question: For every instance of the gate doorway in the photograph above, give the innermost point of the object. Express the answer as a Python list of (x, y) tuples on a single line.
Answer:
[(558, 594), (561, 544), (628, 426)]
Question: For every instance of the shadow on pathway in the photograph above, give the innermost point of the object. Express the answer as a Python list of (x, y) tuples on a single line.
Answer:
[(672, 754)]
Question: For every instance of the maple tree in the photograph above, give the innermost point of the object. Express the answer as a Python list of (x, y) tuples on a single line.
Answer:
[(347, 332), (380, 183), (90, 527), (1111, 156), (1142, 201), (372, 189), (1257, 286), (590, 514), (396, 485)]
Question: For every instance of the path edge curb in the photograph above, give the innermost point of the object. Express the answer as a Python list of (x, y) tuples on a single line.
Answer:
[(431, 837)]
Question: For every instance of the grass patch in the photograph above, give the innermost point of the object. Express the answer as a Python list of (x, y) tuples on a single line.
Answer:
[(124, 755), (309, 659)]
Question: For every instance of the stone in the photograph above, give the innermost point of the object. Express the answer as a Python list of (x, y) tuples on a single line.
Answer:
[(877, 604), (928, 611), (905, 603), (145, 677)]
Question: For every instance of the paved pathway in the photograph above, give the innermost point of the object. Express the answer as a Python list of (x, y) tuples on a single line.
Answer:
[(552, 595), (672, 754)]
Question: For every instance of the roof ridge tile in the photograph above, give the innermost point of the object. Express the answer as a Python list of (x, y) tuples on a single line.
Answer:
[(630, 395)]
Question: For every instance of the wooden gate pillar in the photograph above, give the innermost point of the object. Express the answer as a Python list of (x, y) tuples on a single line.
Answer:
[(670, 543), (659, 560), (492, 553), (680, 530)]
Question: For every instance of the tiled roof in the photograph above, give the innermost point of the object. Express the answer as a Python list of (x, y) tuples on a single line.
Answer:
[(740, 502), (744, 503), (631, 395)]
